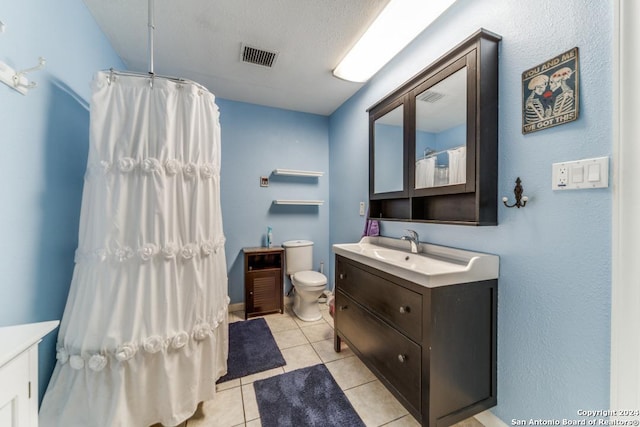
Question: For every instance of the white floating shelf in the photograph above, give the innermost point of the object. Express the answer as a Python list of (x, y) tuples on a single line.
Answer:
[(292, 172), (298, 202)]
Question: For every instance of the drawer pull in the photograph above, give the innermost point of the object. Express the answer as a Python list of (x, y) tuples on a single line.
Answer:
[(343, 307), (402, 358), (404, 309)]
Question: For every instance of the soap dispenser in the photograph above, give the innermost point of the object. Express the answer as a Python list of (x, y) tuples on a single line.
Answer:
[(269, 237)]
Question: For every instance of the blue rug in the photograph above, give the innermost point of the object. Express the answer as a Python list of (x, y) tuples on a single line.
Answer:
[(304, 397), (252, 349)]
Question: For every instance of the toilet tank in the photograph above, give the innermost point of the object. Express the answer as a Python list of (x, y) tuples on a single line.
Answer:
[(298, 255)]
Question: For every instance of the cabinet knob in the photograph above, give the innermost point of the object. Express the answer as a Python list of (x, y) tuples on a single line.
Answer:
[(343, 307), (404, 309), (402, 358), (250, 293), (341, 276)]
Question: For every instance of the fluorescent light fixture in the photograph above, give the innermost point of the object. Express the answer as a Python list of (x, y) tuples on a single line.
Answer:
[(396, 26)]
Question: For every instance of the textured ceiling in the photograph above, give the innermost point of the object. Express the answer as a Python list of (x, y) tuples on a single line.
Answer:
[(201, 40)]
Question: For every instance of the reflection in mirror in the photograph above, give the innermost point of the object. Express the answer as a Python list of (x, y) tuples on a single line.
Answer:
[(388, 146), (441, 132)]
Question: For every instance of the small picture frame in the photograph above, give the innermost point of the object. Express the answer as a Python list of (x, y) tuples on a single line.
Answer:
[(264, 181), (550, 93)]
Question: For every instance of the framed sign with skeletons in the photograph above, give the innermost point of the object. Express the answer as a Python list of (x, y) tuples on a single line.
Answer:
[(550, 93)]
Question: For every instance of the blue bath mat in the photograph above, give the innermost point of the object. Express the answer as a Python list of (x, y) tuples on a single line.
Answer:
[(252, 349), (304, 397)]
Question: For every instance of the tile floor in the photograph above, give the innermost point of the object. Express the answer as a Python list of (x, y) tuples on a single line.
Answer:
[(305, 344)]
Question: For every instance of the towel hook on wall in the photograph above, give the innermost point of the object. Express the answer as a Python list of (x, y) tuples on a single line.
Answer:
[(17, 79), (521, 200)]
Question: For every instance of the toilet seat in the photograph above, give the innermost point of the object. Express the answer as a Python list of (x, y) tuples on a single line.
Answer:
[(309, 279)]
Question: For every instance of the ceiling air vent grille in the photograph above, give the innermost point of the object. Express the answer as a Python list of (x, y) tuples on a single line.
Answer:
[(430, 96), (254, 55)]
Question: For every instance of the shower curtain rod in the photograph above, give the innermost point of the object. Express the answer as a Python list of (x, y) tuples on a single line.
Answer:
[(152, 26), (430, 153), (151, 77)]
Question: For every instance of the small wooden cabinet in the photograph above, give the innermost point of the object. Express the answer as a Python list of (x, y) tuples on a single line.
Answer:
[(433, 348), (263, 269)]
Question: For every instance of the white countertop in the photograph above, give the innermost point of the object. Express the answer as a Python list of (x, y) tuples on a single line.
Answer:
[(16, 339), (431, 266)]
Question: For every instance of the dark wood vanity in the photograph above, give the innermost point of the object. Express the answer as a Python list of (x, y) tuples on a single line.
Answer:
[(433, 157), (433, 348), (433, 142)]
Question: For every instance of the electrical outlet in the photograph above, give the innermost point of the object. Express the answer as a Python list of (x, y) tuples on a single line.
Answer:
[(361, 208), (580, 174), (563, 176), (559, 176)]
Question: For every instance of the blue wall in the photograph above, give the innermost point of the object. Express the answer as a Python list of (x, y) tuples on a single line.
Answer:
[(44, 138), (555, 255), (389, 159), (255, 141)]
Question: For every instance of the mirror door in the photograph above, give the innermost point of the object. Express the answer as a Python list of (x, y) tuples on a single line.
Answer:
[(388, 173), (442, 162)]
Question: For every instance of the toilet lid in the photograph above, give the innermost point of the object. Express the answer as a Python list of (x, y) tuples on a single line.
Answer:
[(310, 278)]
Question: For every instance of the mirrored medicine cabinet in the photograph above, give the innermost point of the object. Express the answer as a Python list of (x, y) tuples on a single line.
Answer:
[(433, 142)]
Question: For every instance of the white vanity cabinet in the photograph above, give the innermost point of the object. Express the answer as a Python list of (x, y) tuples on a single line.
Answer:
[(19, 373)]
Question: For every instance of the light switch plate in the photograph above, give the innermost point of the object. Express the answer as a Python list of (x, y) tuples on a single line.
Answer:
[(580, 174)]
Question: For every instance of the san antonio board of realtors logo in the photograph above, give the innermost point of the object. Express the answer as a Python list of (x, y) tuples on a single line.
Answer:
[(550, 93)]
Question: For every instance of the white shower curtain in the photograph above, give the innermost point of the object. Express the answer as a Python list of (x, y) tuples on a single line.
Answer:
[(425, 172), (144, 334), (457, 165)]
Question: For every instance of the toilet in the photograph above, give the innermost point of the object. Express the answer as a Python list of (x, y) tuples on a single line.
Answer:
[(308, 284)]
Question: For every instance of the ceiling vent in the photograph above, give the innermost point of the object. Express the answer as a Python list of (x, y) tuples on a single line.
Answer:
[(430, 96), (257, 56)]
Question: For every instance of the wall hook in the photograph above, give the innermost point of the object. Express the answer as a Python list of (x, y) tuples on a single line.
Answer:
[(521, 200), (17, 79)]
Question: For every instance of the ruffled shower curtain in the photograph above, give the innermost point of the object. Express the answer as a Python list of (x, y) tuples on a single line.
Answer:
[(144, 335), (457, 165), (425, 172)]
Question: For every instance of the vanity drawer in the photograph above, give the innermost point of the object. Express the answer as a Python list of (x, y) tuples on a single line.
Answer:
[(399, 306), (393, 355)]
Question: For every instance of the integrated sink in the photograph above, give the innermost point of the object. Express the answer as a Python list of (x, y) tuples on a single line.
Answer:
[(432, 266)]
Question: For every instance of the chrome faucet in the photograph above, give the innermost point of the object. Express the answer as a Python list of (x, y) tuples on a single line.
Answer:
[(413, 239)]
